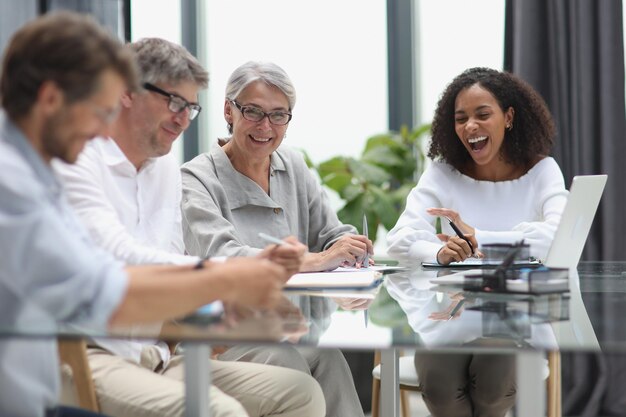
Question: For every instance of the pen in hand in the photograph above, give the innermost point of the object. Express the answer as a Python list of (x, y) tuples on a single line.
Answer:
[(460, 234), (366, 259), (271, 239), (456, 309)]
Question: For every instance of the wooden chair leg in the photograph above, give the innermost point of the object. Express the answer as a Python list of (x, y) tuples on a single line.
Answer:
[(553, 384), (73, 352), (376, 388), (404, 403)]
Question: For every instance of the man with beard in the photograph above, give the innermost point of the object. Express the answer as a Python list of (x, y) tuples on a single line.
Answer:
[(61, 83)]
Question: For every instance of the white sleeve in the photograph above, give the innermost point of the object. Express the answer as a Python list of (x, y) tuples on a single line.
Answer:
[(550, 196), (414, 236), (83, 186)]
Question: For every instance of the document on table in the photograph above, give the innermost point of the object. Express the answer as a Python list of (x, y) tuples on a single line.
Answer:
[(361, 279), (471, 263), (380, 268)]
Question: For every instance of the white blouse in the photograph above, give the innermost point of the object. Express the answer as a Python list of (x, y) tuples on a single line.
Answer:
[(526, 208)]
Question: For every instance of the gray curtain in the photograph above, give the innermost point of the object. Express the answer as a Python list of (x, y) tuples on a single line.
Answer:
[(572, 52)]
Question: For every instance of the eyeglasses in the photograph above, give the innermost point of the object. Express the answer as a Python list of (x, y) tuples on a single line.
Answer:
[(254, 114), (176, 104), (107, 116)]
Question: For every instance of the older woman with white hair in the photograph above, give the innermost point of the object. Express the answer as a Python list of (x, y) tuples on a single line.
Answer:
[(250, 183)]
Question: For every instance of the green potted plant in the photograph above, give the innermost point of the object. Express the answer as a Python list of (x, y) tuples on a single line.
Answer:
[(378, 182)]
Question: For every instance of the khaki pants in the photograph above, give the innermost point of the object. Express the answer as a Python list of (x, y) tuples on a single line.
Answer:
[(127, 389)]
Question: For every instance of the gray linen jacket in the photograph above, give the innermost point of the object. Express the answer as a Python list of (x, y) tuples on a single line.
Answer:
[(223, 210)]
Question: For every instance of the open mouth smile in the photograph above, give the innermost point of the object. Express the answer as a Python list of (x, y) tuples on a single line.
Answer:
[(477, 143)]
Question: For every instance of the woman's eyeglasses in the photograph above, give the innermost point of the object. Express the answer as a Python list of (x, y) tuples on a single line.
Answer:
[(254, 114)]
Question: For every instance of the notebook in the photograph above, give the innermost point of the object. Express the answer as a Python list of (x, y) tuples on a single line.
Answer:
[(571, 234)]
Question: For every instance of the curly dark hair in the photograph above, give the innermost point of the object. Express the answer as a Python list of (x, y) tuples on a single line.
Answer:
[(533, 129)]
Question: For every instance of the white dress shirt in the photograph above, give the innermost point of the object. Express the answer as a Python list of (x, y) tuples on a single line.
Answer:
[(133, 214)]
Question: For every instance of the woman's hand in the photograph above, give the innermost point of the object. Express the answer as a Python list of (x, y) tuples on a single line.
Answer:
[(456, 249), (454, 216), (349, 250)]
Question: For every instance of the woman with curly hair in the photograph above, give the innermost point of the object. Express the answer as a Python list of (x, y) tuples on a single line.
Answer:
[(491, 173)]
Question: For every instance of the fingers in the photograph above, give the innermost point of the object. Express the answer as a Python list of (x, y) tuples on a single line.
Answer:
[(444, 212), (352, 249), (455, 250)]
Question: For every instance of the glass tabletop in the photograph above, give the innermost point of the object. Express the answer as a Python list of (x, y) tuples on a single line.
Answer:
[(409, 310)]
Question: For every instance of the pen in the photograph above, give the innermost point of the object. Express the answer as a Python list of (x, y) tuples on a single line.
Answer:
[(271, 239), (459, 233), (366, 259), (456, 309)]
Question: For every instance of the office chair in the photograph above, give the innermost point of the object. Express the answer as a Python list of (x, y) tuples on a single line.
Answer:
[(409, 381), (73, 353)]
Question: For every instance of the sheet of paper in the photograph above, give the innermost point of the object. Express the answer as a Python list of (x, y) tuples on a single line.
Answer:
[(380, 268), (363, 278)]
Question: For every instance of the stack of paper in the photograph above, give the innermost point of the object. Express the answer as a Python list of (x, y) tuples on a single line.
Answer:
[(353, 280)]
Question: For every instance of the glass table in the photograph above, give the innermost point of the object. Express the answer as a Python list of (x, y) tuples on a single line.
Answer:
[(409, 310)]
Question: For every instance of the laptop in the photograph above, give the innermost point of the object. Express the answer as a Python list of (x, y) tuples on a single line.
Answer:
[(571, 234)]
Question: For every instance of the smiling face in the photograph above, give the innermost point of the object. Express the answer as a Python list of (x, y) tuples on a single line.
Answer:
[(480, 124), (255, 141), (156, 127), (66, 131)]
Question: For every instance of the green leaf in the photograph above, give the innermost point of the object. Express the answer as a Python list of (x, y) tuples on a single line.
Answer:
[(383, 204), (367, 172), (352, 212), (334, 165), (337, 181), (382, 157)]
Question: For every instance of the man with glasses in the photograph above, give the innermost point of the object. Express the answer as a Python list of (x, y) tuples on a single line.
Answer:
[(126, 188)]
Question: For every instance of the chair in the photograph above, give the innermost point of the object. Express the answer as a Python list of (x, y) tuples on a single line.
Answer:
[(409, 381), (73, 353)]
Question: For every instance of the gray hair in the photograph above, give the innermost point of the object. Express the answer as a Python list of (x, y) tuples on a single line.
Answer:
[(163, 61), (267, 72)]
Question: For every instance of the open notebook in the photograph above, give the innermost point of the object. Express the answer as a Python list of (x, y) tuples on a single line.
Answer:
[(571, 234)]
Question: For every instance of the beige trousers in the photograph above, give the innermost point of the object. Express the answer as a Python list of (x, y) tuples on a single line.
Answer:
[(128, 389)]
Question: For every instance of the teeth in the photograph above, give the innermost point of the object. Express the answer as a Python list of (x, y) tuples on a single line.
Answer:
[(261, 139), (478, 139)]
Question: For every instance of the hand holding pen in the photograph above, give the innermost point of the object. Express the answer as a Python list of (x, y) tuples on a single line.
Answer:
[(288, 252), (462, 245)]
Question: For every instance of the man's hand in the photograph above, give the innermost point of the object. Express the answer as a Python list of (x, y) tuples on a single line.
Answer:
[(252, 282), (290, 255)]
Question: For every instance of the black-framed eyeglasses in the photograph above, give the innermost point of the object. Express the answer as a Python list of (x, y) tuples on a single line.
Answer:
[(176, 103), (254, 114)]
